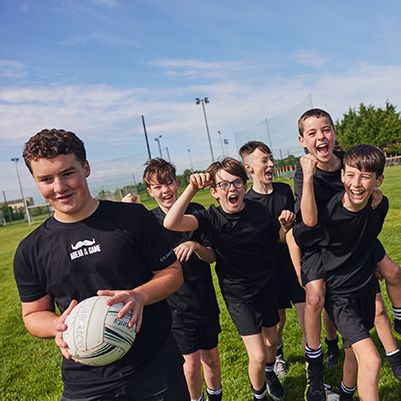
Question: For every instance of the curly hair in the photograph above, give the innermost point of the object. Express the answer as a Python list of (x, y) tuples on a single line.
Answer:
[(49, 143)]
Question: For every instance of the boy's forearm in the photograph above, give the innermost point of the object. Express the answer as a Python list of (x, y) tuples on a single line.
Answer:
[(308, 203), (205, 253), (175, 215)]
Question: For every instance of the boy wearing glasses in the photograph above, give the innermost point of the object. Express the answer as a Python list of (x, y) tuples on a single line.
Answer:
[(243, 234)]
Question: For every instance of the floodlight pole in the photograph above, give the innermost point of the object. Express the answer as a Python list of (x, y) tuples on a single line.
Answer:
[(146, 137), (158, 144), (203, 101), (15, 160), (168, 154), (190, 159), (221, 143)]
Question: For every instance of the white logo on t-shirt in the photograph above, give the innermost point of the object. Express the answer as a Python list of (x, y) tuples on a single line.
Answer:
[(84, 248)]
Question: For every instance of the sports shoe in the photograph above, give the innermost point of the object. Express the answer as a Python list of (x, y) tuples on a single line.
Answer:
[(395, 364), (315, 390), (331, 395), (274, 387), (280, 368), (332, 357)]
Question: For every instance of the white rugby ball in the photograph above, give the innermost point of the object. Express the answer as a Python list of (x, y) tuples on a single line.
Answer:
[(95, 335)]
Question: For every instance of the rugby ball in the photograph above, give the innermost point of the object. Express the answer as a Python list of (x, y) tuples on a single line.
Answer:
[(95, 335)]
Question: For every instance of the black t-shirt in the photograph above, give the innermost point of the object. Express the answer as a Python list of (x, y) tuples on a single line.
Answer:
[(347, 243), (281, 198), (117, 247), (326, 184), (244, 245), (195, 301)]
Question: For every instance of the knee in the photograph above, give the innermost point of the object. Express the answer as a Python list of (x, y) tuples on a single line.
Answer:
[(258, 358), (315, 301), (212, 362), (192, 368)]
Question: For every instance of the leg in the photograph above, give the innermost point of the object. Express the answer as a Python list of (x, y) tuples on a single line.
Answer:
[(274, 387), (383, 329), (279, 365), (350, 372), (211, 370), (333, 353), (392, 274), (193, 374), (300, 311), (368, 369), (256, 350), (313, 310)]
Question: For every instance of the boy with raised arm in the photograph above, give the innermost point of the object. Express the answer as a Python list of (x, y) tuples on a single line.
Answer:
[(315, 184), (243, 235), (193, 306), (345, 238), (133, 264), (258, 161)]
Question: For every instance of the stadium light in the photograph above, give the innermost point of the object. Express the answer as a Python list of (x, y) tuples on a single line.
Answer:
[(15, 160), (158, 143), (203, 102)]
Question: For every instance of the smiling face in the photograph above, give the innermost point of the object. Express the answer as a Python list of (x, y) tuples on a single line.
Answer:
[(318, 138), (165, 194), (232, 199), (358, 185), (261, 167), (62, 182)]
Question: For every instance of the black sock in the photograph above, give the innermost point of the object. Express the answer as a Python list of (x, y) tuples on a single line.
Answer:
[(259, 395), (269, 367), (332, 345), (346, 392), (214, 395), (313, 354)]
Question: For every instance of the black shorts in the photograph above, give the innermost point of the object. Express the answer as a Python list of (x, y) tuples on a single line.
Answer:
[(311, 266), (192, 338), (353, 315), (250, 315), (290, 291), (162, 379)]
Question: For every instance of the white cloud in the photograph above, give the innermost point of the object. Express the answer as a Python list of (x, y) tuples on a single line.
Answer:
[(11, 69), (108, 118)]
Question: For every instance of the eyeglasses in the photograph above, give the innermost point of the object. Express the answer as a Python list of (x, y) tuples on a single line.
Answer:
[(225, 185)]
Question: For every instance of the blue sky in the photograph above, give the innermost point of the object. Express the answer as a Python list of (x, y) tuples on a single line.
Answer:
[(95, 66)]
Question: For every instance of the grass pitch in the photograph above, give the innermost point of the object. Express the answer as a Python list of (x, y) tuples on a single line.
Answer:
[(30, 367)]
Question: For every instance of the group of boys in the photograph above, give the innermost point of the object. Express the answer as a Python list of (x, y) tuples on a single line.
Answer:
[(331, 232)]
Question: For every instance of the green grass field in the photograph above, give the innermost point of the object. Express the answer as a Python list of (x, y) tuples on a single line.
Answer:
[(30, 367)]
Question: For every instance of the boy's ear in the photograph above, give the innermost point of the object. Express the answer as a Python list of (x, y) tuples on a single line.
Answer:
[(87, 169), (213, 192), (342, 175), (248, 167), (379, 180), (150, 192), (301, 140)]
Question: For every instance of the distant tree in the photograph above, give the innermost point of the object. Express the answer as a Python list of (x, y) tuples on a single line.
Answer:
[(379, 127)]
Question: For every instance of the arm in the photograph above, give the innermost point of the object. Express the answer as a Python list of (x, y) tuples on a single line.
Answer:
[(163, 283), (286, 220), (130, 198), (41, 321), (308, 201), (185, 250), (175, 219)]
